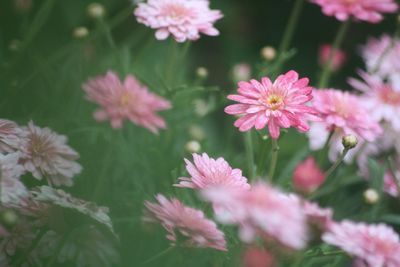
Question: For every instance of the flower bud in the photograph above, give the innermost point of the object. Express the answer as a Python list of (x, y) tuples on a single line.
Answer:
[(202, 72), (193, 146), (371, 196), (338, 59), (80, 32), (9, 218), (14, 45), (201, 107), (307, 176), (268, 53), (196, 132), (349, 141), (96, 10), (241, 72)]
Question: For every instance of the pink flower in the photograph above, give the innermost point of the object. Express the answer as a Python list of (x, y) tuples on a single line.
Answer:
[(188, 222), (207, 172), (391, 184), (362, 10), (320, 217), (45, 153), (376, 244), (183, 19), (338, 59), (262, 210), (128, 100), (307, 176), (241, 72), (281, 104), (258, 257), (10, 136)]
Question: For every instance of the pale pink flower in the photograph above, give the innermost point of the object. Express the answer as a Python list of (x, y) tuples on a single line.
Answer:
[(381, 99), (378, 245), (382, 57), (129, 100), (361, 10), (338, 58), (391, 184), (307, 176), (258, 257), (46, 154), (184, 221), (10, 136), (282, 104), (207, 172), (183, 19), (262, 210)]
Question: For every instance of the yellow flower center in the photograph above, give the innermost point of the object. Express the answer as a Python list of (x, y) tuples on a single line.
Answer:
[(275, 101), (125, 100)]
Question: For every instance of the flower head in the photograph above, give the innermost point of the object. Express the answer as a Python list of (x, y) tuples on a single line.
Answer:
[(10, 136), (338, 59), (189, 223), (207, 172), (262, 210), (378, 245), (362, 10), (281, 104), (45, 153), (258, 257), (307, 176), (183, 19), (125, 101)]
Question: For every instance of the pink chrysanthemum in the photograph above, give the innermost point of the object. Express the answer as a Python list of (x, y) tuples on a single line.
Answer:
[(10, 136), (362, 10), (207, 172), (125, 101), (183, 19), (184, 221), (338, 59), (281, 104), (378, 245), (307, 176), (262, 210), (46, 154)]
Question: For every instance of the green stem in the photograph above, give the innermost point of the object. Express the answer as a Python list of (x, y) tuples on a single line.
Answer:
[(327, 70), (158, 255), (248, 142), (336, 164), (274, 159), (262, 157), (35, 242)]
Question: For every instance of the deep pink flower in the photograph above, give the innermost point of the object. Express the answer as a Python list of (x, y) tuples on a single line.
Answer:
[(184, 19), (187, 222), (282, 104), (378, 245), (258, 257), (125, 101), (10, 136), (307, 176), (338, 59), (46, 154), (207, 172), (362, 10), (262, 210)]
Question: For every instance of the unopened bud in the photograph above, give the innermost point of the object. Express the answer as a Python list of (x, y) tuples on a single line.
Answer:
[(202, 72), (80, 32), (241, 72), (349, 141), (196, 132), (9, 217), (201, 107), (96, 10), (14, 45), (268, 53), (371, 196), (193, 146)]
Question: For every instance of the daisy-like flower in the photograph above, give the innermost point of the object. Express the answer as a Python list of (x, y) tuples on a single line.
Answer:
[(307, 176), (262, 211), (10, 136), (377, 245), (207, 172), (282, 104), (343, 113), (360, 10), (338, 59), (186, 222), (125, 101), (183, 19), (45, 153)]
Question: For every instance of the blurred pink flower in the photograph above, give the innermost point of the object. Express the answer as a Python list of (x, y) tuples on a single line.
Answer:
[(361, 10), (307, 176), (184, 19), (320, 217), (376, 244), (128, 100), (20, 236), (207, 172), (184, 221), (338, 59), (241, 72), (46, 154), (262, 210), (391, 184), (10, 136), (258, 257), (281, 104)]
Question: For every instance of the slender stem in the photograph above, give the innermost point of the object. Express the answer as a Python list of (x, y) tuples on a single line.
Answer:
[(262, 156), (107, 32), (327, 70), (274, 159), (158, 255), (336, 164), (248, 142)]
